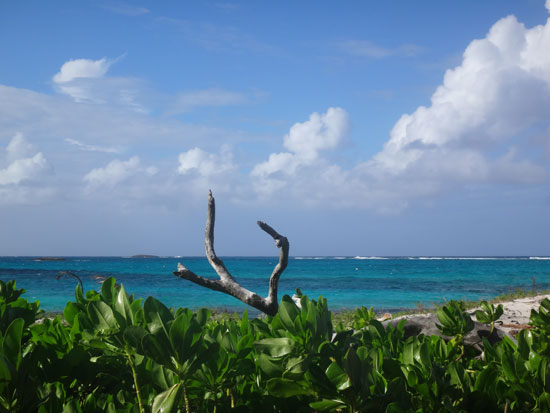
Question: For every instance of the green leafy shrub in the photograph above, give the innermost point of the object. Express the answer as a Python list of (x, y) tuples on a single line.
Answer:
[(113, 353), (489, 314)]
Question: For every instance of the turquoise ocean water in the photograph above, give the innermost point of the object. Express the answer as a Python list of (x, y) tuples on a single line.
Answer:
[(385, 283)]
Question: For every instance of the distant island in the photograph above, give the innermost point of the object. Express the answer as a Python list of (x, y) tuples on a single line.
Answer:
[(49, 259), (144, 256)]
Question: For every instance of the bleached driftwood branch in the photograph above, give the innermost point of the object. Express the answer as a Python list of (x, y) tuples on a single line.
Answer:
[(226, 283)]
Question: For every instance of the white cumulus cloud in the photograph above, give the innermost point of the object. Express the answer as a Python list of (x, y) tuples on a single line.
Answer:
[(199, 170), (82, 69), (501, 89), (305, 141), (487, 125), (113, 173), (21, 170), (19, 148), (301, 167), (320, 132), (205, 164), (77, 78)]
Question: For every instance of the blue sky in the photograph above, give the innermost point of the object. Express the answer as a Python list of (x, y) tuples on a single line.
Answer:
[(354, 128)]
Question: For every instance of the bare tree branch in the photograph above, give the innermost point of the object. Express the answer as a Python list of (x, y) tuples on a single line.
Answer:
[(226, 282), (282, 243), (213, 259)]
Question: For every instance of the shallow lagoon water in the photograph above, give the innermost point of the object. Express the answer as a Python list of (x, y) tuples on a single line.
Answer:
[(385, 283)]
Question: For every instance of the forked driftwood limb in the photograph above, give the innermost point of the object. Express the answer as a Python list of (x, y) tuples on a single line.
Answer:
[(226, 283)]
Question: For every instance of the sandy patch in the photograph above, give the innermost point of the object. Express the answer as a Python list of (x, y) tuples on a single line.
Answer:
[(515, 317)]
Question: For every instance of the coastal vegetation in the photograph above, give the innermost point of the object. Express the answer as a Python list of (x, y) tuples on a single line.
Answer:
[(112, 352)]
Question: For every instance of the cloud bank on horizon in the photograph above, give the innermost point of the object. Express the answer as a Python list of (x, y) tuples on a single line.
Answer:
[(488, 123)]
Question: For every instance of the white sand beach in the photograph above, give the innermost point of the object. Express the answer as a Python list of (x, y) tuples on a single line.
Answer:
[(517, 312)]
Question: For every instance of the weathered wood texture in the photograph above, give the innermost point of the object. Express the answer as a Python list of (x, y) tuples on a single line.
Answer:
[(226, 283)]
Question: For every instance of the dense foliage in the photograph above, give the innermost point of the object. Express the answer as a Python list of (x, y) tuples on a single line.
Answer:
[(111, 352)]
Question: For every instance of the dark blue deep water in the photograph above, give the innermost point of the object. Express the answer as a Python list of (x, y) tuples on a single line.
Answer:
[(347, 282)]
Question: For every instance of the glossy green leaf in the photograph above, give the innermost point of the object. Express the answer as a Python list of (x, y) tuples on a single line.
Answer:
[(444, 316), (133, 335), (5, 373), (244, 344), (276, 347), (152, 347), (79, 295), (337, 376), (485, 306), (486, 379), (288, 312), (454, 320), (244, 325), (157, 314), (456, 371), (523, 346), (11, 346), (426, 356), (377, 329), (394, 408), (507, 341), (102, 317), (482, 317), (70, 312), (135, 306), (184, 333), (408, 352), (410, 375), (228, 344), (71, 407), (169, 400), (296, 367), (327, 405), (272, 367), (353, 367), (508, 367), (202, 315), (528, 337), (108, 290), (498, 312), (280, 387), (161, 376), (544, 372), (122, 306), (489, 350), (543, 402)]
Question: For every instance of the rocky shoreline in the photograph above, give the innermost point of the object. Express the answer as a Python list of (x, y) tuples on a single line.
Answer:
[(515, 317)]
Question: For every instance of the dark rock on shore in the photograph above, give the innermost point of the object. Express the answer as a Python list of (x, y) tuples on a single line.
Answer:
[(426, 324)]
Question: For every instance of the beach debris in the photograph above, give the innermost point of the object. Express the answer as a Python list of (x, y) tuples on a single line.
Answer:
[(226, 283), (386, 316)]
